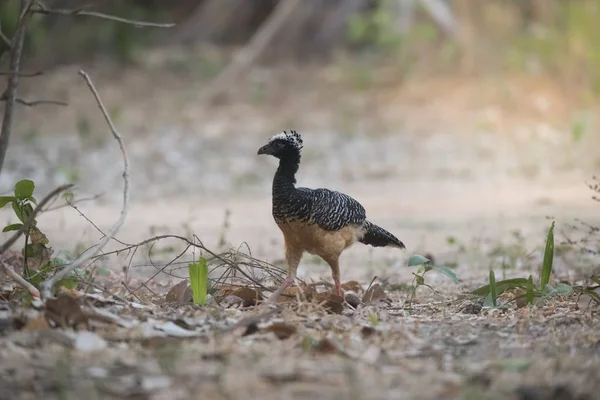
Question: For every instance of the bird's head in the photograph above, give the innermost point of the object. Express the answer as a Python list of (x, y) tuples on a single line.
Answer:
[(286, 143)]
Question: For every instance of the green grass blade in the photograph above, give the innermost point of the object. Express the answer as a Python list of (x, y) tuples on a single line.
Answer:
[(417, 259), (199, 280), (493, 292), (530, 288), (448, 272), (501, 286), (548, 258)]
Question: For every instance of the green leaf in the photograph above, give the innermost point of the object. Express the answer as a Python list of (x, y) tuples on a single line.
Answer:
[(502, 286), (27, 211), (102, 271), (563, 288), (18, 211), (448, 272), (493, 288), (530, 289), (593, 295), (548, 258), (24, 189), (419, 279), (515, 364), (4, 200), (487, 302), (199, 280), (69, 283), (12, 227), (417, 259)]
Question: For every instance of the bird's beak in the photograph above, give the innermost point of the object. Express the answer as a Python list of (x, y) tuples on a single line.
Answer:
[(266, 149)]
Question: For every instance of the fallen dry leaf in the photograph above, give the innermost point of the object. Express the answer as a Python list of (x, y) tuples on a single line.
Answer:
[(65, 311), (374, 294), (586, 300), (250, 296), (38, 323), (303, 291), (180, 293), (352, 286), (232, 301), (325, 346), (281, 330), (331, 302)]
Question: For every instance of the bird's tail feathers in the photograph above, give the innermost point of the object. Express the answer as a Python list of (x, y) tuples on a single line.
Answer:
[(378, 237)]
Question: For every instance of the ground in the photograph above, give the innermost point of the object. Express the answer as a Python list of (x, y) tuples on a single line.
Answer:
[(466, 169)]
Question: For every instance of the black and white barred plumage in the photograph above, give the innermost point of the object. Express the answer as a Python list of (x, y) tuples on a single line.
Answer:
[(328, 209)]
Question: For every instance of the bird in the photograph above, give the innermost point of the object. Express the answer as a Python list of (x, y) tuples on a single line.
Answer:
[(319, 221)]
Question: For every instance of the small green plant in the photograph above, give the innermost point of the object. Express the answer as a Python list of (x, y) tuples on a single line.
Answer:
[(22, 204), (36, 242), (424, 267), (530, 292), (199, 280)]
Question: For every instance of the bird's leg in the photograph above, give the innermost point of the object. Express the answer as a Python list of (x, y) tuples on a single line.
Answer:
[(335, 273), (338, 287), (292, 257)]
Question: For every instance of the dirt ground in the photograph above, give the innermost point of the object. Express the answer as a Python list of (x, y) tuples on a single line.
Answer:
[(467, 169)]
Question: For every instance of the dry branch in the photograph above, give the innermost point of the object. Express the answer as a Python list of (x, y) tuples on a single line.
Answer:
[(20, 280), (41, 9), (247, 55), (16, 54), (22, 74), (33, 103), (48, 284)]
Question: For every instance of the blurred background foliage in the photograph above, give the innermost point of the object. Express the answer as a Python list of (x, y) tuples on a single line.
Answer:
[(553, 37)]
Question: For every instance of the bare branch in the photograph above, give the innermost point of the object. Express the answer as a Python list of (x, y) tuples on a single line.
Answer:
[(16, 53), (6, 245), (4, 97), (34, 103), (41, 9), (22, 74), (20, 280), (253, 49), (48, 284), (5, 39)]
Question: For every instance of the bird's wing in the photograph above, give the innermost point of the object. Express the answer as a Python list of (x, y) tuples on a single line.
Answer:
[(333, 210)]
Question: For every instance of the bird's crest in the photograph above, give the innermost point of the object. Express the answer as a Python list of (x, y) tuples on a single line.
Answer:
[(292, 137)]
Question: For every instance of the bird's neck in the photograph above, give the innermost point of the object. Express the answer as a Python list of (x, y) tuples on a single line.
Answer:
[(285, 177)]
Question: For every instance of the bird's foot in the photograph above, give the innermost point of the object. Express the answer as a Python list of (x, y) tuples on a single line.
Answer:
[(275, 296), (338, 288)]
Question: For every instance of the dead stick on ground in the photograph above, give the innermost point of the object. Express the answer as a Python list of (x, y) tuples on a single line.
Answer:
[(47, 285), (20, 280), (253, 49)]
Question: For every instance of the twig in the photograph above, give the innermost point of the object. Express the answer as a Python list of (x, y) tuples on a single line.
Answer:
[(16, 53), (22, 74), (253, 49), (34, 103), (6, 245), (76, 201), (20, 280), (6, 40), (74, 206), (48, 284), (41, 9)]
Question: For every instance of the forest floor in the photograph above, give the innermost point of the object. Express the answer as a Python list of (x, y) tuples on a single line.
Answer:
[(469, 170)]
